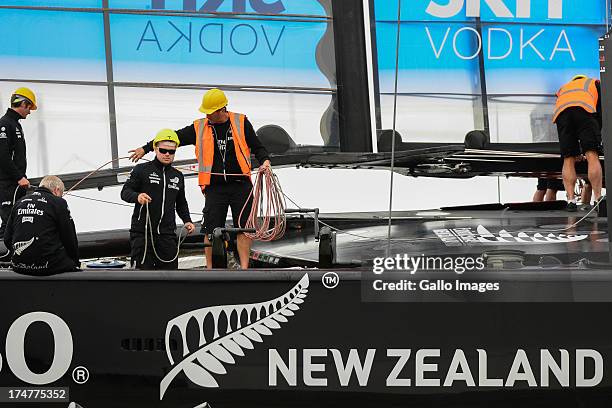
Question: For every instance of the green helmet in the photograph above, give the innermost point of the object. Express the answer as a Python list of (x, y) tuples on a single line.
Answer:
[(166, 135)]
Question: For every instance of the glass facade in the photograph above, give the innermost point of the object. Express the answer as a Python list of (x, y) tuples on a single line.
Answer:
[(486, 65), (109, 74)]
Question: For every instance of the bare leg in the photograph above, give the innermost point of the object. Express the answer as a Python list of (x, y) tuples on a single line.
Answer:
[(551, 195), (539, 195), (595, 174), (208, 252), (586, 194), (569, 177), (244, 249)]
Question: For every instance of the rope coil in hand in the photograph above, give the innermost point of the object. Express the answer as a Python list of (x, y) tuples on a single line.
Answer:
[(267, 214)]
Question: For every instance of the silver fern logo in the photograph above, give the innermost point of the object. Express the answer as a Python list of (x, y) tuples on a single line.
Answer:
[(482, 236), (21, 246), (214, 353)]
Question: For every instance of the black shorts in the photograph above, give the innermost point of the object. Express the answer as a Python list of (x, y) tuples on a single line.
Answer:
[(579, 132), (552, 184), (223, 195)]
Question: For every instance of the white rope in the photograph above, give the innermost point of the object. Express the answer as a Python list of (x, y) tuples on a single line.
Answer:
[(149, 230)]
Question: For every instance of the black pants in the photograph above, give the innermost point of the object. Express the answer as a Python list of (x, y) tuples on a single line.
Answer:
[(61, 263), (165, 246), (9, 193)]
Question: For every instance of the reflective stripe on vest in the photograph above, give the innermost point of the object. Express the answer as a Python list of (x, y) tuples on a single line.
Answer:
[(238, 119), (581, 93), (200, 152), (205, 146)]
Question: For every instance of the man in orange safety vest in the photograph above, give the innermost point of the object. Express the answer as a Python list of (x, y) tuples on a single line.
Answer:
[(224, 141), (578, 117)]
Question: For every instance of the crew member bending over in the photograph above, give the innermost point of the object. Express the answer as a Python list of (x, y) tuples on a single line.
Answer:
[(578, 118)]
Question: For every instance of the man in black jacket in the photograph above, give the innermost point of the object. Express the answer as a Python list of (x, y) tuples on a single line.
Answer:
[(40, 232), (13, 163), (158, 190), (226, 185)]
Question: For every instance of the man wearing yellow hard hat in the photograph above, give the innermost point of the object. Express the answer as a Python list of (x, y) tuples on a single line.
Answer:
[(578, 117), (158, 190), (13, 163), (224, 141)]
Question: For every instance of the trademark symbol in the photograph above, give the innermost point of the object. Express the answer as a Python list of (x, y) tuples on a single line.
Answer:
[(80, 375), (330, 280)]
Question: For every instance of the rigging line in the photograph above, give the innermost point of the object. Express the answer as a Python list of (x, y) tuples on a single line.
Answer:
[(595, 207), (397, 48), (99, 200), (94, 172), (114, 202)]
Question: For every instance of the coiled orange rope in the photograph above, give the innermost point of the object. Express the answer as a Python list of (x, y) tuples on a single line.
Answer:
[(267, 214)]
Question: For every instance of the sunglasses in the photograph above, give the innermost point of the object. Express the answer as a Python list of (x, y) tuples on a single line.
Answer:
[(164, 151)]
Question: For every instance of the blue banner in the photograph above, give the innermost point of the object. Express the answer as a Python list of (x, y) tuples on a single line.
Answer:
[(527, 46), (41, 50), (215, 50)]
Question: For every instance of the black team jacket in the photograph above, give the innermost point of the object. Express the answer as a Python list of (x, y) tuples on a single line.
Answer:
[(166, 187), (13, 161), (40, 232)]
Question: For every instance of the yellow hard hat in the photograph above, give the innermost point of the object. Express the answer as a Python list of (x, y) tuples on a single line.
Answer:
[(212, 101), (579, 76), (27, 93), (166, 135)]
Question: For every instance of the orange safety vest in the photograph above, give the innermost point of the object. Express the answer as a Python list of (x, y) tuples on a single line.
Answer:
[(205, 147), (580, 92)]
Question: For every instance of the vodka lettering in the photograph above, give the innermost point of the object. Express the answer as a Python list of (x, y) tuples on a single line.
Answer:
[(527, 43), (62, 354)]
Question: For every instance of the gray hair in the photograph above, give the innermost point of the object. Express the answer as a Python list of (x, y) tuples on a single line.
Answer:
[(52, 183)]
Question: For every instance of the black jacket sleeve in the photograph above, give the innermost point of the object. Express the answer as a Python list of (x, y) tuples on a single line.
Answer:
[(182, 208), (8, 232), (6, 161), (257, 148), (187, 136), (67, 232), (131, 188)]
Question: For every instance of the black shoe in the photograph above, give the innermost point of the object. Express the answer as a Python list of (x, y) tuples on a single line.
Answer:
[(572, 207)]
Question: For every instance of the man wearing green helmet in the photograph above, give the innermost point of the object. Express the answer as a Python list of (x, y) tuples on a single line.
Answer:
[(158, 190)]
